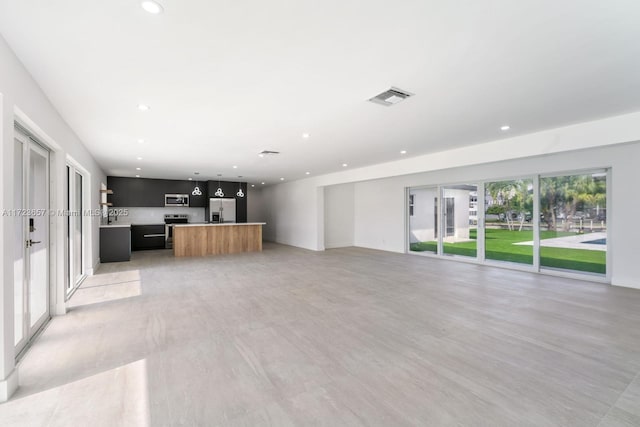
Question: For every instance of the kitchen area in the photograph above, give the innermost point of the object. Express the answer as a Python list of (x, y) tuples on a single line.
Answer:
[(143, 214)]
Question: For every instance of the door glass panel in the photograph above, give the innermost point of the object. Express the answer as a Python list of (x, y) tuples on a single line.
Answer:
[(19, 245), (423, 220), (38, 233), (508, 221), (77, 229), (460, 220), (573, 222)]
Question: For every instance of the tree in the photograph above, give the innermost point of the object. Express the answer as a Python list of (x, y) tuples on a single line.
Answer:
[(562, 196), (515, 196)]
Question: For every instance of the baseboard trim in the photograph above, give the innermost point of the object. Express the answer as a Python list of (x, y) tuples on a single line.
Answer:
[(91, 271), (9, 385)]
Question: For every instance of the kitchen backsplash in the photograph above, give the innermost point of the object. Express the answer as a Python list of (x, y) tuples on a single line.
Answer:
[(156, 215)]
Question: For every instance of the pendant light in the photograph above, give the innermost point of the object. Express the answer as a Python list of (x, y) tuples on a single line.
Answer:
[(219, 192), (196, 190), (240, 193)]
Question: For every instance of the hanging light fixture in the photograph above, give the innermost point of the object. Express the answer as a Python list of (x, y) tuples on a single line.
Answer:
[(240, 193), (219, 192), (196, 190)]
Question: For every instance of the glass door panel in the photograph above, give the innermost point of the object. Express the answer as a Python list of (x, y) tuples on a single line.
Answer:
[(460, 220), (423, 220), (19, 284), (76, 236), (573, 222), (38, 234), (508, 221)]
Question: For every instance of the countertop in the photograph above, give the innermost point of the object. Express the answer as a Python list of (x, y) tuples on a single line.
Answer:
[(205, 224), (114, 225)]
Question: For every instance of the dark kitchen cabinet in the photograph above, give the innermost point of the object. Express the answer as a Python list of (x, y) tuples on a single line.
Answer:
[(145, 192), (115, 244), (144, 237)]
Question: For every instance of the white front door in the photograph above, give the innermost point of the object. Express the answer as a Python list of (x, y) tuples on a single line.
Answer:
[(31, 262)]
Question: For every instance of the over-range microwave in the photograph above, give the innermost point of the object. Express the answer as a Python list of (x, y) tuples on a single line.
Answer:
[(176, 200)]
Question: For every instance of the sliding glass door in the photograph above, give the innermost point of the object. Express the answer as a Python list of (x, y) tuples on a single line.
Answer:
[(423, 220), (556, 222), (460, 220), (508, 221), (573, 222)]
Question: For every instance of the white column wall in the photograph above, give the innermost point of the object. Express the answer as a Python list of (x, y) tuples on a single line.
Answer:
[(339, 216), (21, 98)]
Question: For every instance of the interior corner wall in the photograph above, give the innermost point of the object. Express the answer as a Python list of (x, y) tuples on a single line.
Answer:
[(339, 223), (379, 214), (22, 98), (291, 212)]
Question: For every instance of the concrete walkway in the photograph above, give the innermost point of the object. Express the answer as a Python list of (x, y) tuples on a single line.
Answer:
[(573, 242)]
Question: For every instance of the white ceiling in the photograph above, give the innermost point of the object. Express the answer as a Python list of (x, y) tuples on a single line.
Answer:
[(226, 79)]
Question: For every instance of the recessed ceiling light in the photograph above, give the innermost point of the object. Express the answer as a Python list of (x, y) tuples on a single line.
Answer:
[(137, 176), (305, 135), (138, 169), (152, 6), (262, 183), (505, 127), (141, 141), (190, 179), (253, 185), (139, 158), (307, 173), (344, 165), (281, 179), (260, 155), (403, 152), (235, 167), (143, 107)]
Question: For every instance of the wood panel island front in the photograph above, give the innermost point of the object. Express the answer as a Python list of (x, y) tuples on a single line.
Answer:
[(216, 239)]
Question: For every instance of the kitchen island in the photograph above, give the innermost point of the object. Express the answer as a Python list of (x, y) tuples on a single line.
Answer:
[(216, 239)]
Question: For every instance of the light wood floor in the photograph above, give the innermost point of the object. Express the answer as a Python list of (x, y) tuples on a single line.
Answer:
[(343, 337)]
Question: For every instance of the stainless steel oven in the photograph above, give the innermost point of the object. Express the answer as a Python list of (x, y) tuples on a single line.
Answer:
[(169, 220), (176, 200)]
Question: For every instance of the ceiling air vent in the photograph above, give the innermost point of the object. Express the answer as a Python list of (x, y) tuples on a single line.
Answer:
[(391, 97), (268, 153)]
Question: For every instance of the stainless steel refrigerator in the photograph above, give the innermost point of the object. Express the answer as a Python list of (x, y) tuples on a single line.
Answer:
[(222, 210)]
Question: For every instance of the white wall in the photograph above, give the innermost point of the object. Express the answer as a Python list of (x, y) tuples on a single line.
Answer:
[(293, 212), (551, 151), (21, 98), (339, 216)]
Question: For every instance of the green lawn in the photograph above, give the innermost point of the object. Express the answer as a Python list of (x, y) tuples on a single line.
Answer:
[(500, 246)]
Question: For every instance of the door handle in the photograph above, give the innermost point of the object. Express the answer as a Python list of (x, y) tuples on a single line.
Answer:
[(32, 242)]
